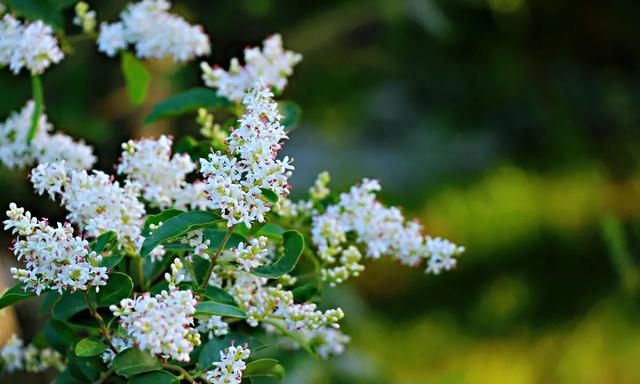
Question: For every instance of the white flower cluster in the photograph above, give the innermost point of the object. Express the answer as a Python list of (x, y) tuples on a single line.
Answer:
[(53, 258), (161, 324), (248, 256), (27, 45), (150, 164), (195, 239), (234, 181), (15, 356), (272, 65), (262, 302), (382, 230), (155, 33), (328, 341), (214, 326), (85, 17), (229, 369), (17, 152), (95, 202)]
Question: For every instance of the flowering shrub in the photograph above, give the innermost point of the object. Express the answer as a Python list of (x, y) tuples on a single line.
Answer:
[(165, 271)]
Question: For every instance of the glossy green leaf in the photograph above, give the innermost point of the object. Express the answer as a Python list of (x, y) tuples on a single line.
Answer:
[(177, 226), (159, 218), (59, 335), (269, 195), (14, 295), (103, 242), (264, 367), (132, 361), (272, 231), (156, 377), (218, 295), (136, 76), (187, 102), (215, 236), (293, 246), (119, 286), (110, 262), (212, 308), (68, 305), (90, 346), (291, 114)]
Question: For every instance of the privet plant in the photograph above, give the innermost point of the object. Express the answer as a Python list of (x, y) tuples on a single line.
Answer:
[(187, 261)]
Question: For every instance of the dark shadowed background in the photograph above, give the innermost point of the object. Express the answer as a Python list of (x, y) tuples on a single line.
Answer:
[(508, 126)]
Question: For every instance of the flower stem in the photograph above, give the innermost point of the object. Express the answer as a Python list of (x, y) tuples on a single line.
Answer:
[(182, 371), (137, 272), (104, 377), (207, 276), (100, 320), (36, 90)]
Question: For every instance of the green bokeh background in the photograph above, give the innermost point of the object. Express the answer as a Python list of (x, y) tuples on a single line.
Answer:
[(508, 126)]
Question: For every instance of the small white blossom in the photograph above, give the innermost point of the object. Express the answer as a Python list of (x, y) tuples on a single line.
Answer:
[(229, 369), (95, 202), (214, 326), (160, 175), (16, 152), (234, 181), (272, 65), (161, 324), (248, 256), (442, 253), (155, 33), (196, 240), (85, 17), (53, 258), (27, 45)]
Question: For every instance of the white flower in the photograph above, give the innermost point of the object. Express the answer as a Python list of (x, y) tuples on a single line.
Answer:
[(15, 357), (27, 45), (272, 65), (161, 324), (154, 32), (214, 326), (229, 369), (248, 256), (111, 38), (381, 230), (160, 175), (234, 181), (53, 258), (16, 152), (196, 240), (95, 202)]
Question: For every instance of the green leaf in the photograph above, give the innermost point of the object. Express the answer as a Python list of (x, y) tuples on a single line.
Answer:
[(119, 286), (305, 293), (65, 377), (104, 242), (157, 377), (218, 295), (59, 335), (38, 100), (272, 231), (159, 218), (90, 346), (136, 76), (45, 10), (264, 367), (269, 195), (187, 102), (216, 235), (110, 262), (293, 247), (132, 361), (68, 305), (82, 368), (291, 113), (15, 294), (211, 308), (177, 226)]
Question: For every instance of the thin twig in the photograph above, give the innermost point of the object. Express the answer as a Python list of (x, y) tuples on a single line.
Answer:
[(207, 276)]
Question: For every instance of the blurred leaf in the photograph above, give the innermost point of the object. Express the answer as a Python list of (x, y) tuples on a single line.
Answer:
[(269, 195), (46, 10), (308, 292), (187, 102), (177, 226), (14, 295), (90, 346), (136, 76), (293, 247), (38, 100), (291, 113), (264, 367), (212, 308), (157, 377), (133, 361), (65, 377), (100, 244)]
